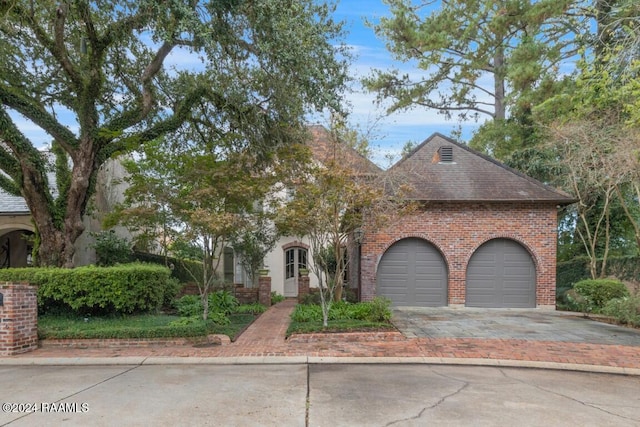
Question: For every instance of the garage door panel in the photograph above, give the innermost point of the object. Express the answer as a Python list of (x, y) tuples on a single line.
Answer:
[(413, 273), (501, 273)]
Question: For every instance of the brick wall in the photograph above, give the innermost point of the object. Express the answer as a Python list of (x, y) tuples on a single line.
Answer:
[(457, 230), (18, 318), (244, 295)]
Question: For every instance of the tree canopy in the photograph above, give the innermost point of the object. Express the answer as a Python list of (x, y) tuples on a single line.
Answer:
[(104, 77), (475, 57)]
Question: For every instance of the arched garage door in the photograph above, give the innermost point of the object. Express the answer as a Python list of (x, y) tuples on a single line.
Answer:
[(413, 273), (501, 273)]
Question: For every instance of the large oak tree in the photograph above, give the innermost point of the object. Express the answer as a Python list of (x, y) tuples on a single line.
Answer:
[(96, 77)]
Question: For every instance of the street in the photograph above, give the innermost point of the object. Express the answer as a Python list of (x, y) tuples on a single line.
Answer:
[(314, 395)]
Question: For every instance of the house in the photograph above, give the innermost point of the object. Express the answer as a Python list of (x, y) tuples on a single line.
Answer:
[(17, 229), (291, 253), (484, 234)]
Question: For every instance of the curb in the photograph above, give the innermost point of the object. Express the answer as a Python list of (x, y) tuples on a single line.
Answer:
[(309, 360)]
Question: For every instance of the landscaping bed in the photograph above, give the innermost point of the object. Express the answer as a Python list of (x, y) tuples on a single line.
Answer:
[(138, 327), (343, 317)]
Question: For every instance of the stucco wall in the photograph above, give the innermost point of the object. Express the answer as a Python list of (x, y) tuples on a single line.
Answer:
[(457, 230)]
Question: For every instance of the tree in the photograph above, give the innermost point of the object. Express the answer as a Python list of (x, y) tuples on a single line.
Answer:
[(94, 76), (207, 200), (594, 139), (458, 45), (339, 193)]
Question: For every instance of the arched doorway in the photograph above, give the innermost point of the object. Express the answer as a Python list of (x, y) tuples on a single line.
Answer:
[(295, 259), (15, 248)]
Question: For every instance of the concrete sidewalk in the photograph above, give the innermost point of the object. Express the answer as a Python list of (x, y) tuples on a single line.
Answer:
[(264, 342)]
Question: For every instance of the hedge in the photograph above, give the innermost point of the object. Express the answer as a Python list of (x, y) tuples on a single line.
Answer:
[(180, 268), (126, 288), (599, 292), (571, 272)]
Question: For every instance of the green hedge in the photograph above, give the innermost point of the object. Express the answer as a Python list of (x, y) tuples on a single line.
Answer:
[(570, 272), (180, 268), (597, 293), (127, 288)]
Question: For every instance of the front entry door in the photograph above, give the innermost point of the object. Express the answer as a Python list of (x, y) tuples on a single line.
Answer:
[(295, 260)]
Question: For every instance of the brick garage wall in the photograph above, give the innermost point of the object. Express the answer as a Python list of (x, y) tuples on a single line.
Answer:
[(18, 318), (458, 230)]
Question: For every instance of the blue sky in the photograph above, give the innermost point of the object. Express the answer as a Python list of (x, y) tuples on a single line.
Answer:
[(387, 134)]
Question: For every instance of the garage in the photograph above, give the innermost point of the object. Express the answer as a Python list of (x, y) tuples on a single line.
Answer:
[(412, 272), (501, 274)]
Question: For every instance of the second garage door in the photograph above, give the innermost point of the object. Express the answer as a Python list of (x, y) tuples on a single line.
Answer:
[(501, 273), (412, 272)]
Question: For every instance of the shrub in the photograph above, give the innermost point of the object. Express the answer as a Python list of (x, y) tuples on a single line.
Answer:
[(254, 308), (111, 249), (223, 302), (380, 310), (625, 310), (189, 306), (340, 311), (276, 298), (183, 270), (376, 310), (307, 313), (599, 292), (129, 288), (172, 288)]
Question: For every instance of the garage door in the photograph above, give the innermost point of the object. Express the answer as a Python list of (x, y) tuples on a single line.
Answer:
[(413, 273), (501, 273)]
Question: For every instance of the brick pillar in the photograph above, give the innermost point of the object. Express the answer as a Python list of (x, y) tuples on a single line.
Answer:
[(18, 318), (303, 285), (264, 290)]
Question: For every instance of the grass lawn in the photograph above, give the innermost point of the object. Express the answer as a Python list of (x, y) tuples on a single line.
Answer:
[(137, 326)]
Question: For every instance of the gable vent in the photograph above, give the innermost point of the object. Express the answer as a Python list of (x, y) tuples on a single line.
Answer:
[(446, 154)]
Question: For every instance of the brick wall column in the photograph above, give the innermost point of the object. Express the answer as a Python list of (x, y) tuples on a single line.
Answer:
[(303, 285), (18, 318), (264, 290)]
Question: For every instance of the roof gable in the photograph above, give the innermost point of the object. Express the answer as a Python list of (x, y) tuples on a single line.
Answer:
[(321, 146), (441, 169)]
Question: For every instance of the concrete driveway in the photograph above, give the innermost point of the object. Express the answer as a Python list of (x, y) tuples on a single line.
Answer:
[(313, 395), (519, 324)]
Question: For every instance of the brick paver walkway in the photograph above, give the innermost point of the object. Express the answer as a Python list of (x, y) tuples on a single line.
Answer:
[(266, 337)]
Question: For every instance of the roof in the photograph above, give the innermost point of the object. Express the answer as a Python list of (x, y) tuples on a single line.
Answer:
[(16, 205), (467, 176), (322, 148)]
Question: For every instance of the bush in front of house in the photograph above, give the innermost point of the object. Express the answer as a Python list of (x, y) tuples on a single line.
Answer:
[(376, 310), (222, 304), (126, 288), (594, 294), (625, 310)]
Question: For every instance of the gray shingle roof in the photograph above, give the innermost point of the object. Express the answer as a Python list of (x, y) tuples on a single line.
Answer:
[(470, 176), (16, 205)]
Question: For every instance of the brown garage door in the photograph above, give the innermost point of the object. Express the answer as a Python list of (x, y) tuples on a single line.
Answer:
[(501, 273), (413, 273)]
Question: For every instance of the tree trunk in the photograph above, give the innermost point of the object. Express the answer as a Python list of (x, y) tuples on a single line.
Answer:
[(57, 239), (499, 90)]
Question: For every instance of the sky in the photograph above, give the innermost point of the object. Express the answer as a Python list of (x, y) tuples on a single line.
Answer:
[(387, 134)]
